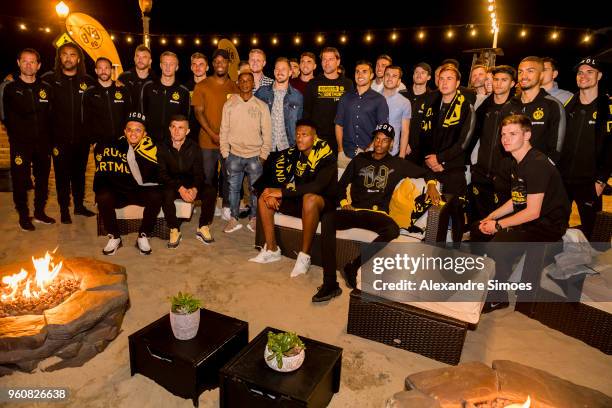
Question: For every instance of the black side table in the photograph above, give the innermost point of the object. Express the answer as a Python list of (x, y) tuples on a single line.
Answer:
[(247, 381), (186, 368)]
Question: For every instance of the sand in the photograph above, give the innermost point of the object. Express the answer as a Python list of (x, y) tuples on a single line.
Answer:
[(263, 295)]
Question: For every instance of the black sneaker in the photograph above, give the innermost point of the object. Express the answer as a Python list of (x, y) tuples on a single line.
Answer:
[(326, 293), (65, 217), (26, 224), (491, 306), (82, 210), (43, 218), (350, 275)]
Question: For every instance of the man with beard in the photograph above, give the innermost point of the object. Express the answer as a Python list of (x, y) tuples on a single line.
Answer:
[(26, 103), (478, 76), (209, 97), (585, 160), (286, 106), (545, 111), (136, 77), (163, 98), (308, 63), (69, 137), (199, 67), (105, 106)]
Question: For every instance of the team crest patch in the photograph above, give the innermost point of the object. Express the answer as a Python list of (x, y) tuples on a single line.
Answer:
[(538, 114), (42, 94), (175, 96), (118, 95), (83, 86), (18, 160), (55, 151), (475, 190), (595, 115), (98, 157)]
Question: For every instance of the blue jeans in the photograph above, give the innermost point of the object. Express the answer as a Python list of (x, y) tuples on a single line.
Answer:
[(236, 167)]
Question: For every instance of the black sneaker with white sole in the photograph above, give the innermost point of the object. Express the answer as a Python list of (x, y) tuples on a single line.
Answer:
[(325, 293), (26, 224), (43, 218), (491, 306)]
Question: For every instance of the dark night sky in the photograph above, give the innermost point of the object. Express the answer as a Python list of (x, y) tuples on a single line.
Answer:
[(223, 17)]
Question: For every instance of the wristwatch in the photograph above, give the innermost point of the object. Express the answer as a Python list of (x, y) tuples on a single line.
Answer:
[(497, 226)]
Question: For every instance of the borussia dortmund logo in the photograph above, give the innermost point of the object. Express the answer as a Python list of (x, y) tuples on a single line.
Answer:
[(98, 157), (538, 114), (595, 115), (83, 86), (42, 94), (18, 160), (118, 95), (475, 190), (175, 96), (55, 151)]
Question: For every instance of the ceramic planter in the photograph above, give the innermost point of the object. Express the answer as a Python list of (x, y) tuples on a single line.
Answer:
[(185, 326), (290, 363)]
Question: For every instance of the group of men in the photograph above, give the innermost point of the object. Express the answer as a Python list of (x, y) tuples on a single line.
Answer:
[(156, 140)]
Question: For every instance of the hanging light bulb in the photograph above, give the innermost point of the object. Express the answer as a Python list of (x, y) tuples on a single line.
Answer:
[(421, 35), (394, 36), (450, 34), (343, 39), (197, 41), (254, 41), (297, 40), (274, 41), (215, 41)]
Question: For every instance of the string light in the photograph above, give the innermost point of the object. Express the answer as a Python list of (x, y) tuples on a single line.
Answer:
[(113, 37), (368, 38), (274, 41), (254, 41), (587, 38), (450, 34), (179, 41), (215, 41), (297, 40), (554, 35), (343, 39), (235, 41), (47, 30), (523, 33), (163, 41), (320, 39), (197, 41), (22, 27), (421, 35), (394, 36), (129, 39), (473, 32), (491, 7)]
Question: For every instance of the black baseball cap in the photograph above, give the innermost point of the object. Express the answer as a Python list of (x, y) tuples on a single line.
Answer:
[(136, 117), (425, 66), (386, 129), (591, 62), (221, 52)]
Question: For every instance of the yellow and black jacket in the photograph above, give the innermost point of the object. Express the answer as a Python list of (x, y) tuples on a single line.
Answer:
[(113, 171)]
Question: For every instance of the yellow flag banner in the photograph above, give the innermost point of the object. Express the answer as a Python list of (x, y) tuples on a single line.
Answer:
[(90, 35), (228, 46)]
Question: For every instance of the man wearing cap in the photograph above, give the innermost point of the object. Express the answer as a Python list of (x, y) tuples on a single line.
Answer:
[(416, 95), (359, 111), (127, 173), (163, 98), (372, 177), (208, 99), (585, 159)]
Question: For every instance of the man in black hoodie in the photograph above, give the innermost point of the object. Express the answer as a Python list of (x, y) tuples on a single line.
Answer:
[(372, 177), (182, 175), (69, 137), (545, 112), (587, 152), (26, 102), (447, 127), (490, 186)]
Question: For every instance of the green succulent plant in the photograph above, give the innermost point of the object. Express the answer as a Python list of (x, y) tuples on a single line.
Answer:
[(184, 303), (284, 344)]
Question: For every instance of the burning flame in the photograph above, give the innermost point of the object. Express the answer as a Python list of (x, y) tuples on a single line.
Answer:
[(526, 404), (46, 272)]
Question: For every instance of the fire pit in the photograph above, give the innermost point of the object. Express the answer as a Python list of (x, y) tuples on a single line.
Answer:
[(70, 309)]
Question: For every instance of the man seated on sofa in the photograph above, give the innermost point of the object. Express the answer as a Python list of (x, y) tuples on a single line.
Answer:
[(372, 177), (127, 173), (301, 182), (538, 210), (182, 174)]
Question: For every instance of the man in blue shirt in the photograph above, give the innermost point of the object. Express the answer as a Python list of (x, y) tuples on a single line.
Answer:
[(358, 113), (400, 110)]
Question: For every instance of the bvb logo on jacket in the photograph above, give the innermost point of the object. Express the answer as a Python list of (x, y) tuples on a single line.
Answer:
[(175, 97), (118, 97), (538, 114), (43, 96)]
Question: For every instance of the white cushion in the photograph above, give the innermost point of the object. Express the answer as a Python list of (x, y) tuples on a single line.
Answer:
[(134, 212)]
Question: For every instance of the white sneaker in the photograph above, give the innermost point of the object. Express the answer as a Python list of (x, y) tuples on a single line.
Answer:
[(112, 245), (226, 213), (142, 243), (217, 212), (232, 225), (267, 256), (252, 225), (302, 264)]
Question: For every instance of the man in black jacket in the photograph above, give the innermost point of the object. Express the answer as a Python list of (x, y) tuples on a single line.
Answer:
[(447, 127), (372, 177), (105, 106), (69, 138), (26, 102), (161, 99), (136, 77), (490, 185), (182, 175), (127, 173), (587, 151), (545, 112)]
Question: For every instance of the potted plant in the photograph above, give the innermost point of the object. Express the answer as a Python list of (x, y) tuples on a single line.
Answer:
[(185, 316), (284, 351)]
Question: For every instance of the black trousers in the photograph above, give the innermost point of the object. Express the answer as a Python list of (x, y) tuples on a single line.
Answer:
[(454, 183), (588, 204), (70, 164), (148, 197), (483, 198), (339, 220), (505, 256), (26, 160), (207, 195)]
